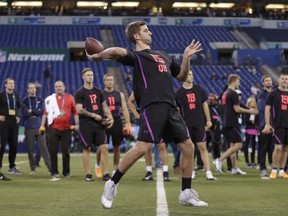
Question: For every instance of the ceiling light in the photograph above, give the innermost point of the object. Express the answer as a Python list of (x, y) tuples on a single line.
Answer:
[(125, 4), (188, 5), (221, 5), (3, 4), (27, 4), (91, 4), (276, 6)]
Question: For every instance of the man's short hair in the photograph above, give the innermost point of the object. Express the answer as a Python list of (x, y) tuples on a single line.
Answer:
[(264, 77), (9, 78), (86, 69), (30, 83), (232, 78), (283, 74), (133, 28), (107, 75)]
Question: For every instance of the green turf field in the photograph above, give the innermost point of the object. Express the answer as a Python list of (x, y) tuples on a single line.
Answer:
[(33, 195)]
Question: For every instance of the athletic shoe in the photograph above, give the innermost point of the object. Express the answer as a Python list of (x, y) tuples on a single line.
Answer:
[(248, 165), (67, 175), (106, 177), (273, 174), (157, 166), (199, 168), (4, 178), (55, 177), (148, 177), (209, 176), (264, 175), (166, 176), (282, 174), (218, 165), (110, 191), (191, 197), (14, 170), (193, 175), (89, 178), (32, 172), (98, 172), (237, 171)]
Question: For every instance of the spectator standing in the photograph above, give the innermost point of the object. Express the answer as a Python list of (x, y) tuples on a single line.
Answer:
[(32, 111), (9, 125), (266, 141), (58, 110)]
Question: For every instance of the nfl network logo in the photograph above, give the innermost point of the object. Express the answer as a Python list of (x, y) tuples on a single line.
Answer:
[(3, 55)]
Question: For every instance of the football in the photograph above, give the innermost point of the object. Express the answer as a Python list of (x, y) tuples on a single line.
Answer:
[(93, 46)]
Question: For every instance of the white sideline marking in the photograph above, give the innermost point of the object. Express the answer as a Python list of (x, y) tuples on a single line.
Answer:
[(162, 206)]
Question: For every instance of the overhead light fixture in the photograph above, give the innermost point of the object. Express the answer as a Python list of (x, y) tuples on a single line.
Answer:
[(27, 4), (3, 4), (188, 5), (125, 4), (276, 6), (222, 5), (91, 4)]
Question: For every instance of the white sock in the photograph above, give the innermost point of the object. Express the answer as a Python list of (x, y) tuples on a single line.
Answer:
[(165, 168), (97, 165), (149, 168)]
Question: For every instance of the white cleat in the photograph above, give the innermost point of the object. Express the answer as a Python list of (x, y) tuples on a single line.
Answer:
[(193, 175), (237, 171), (218, 165), (110, 191), (191, 197), (209, 176)]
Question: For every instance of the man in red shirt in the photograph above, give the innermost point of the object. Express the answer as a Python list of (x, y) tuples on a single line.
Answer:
[(58, 110)]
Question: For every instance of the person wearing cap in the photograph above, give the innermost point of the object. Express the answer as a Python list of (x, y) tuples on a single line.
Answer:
[(231, 130)]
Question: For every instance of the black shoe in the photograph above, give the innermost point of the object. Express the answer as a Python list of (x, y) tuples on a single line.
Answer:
[(166, 176), (148, 177), (199, 168), (106, 177), (4, 178), (67, 175), (89, 178)]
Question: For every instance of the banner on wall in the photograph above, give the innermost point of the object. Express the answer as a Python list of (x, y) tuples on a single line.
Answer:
[(26, 20), (128, 20), (162, 21), (3, 56), (282, 25), (237, 22), (86, 20), (34, 55), (188, 21)]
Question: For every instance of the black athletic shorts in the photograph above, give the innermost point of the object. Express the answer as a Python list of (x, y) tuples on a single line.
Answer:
[(162, 120), (281, 136), (232, 135), (115, 132), (197, 134), (91, 134)]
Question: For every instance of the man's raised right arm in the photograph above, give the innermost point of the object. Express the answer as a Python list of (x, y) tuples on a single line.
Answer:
[(109, 53)]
